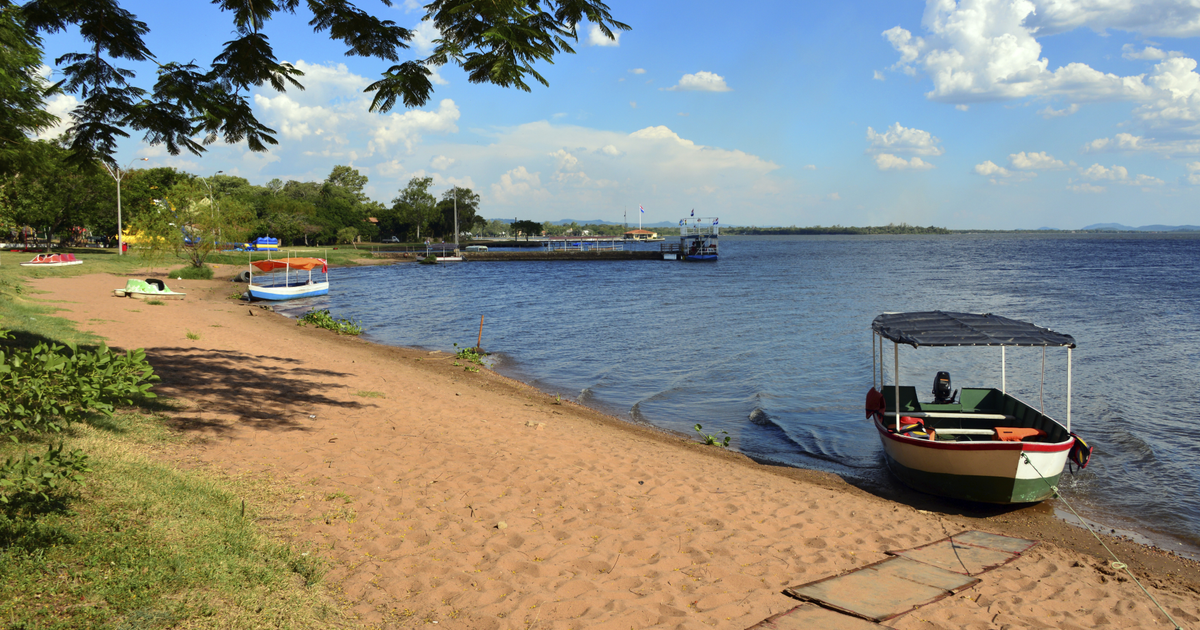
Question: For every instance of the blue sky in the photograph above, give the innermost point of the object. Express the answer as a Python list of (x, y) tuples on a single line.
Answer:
[(992, 114)]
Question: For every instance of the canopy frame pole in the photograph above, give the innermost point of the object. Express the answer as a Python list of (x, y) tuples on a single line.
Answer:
[(1068, 389), (896, 381), (881, 363), (873, 363), (1003, 373)]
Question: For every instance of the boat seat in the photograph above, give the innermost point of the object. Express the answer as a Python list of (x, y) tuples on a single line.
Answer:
[(1016, 434)]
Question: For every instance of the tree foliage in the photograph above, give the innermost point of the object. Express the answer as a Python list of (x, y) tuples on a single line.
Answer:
[(22, 89), (50, 195), (190, 106), (526, 228)]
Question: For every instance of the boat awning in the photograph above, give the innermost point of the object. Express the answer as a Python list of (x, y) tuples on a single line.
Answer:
[(299, 264), (940, 328)]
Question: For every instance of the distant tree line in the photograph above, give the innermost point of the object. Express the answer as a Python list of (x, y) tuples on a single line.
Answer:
[(891, 228)]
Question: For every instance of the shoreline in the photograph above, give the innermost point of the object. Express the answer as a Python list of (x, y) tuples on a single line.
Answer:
[(510, 454)]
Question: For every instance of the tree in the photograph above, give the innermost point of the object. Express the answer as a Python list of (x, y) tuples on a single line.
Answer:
[(22, 90), (413, 208), (468, 205), (349, 178), (187, 223), (528, 228), (190, 106), (50, 196)]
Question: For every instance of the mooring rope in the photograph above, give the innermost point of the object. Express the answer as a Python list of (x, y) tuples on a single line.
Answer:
[(1116, 563)]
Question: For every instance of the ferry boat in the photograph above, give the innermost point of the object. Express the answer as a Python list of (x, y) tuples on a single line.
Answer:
[(697, 240), (291, 284), (984, 444)]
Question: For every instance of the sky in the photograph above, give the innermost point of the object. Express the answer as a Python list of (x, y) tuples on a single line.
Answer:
[(978, 114)]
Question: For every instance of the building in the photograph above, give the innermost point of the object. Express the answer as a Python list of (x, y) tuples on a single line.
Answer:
[(641, 235)]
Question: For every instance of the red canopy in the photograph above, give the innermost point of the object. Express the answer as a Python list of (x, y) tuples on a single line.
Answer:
[(300, 264)]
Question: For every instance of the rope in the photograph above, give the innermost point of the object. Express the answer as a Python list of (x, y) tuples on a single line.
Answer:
[(1116, 563)]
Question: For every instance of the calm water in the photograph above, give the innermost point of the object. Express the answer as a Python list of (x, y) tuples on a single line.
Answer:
[(772, 344)]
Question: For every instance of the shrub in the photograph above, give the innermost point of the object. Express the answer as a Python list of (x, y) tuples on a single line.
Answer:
[(203, 272), (323, 319)]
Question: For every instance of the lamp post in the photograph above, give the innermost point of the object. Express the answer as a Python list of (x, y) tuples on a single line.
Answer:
[(213, 202), (455, 189), (117, 173)]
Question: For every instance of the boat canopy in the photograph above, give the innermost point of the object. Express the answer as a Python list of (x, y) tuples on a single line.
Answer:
[(941, 328), (299, 264)]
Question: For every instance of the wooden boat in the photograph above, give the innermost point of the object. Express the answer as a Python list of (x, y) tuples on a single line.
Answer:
[(697, 240), (988, 445), (53, 260), (293, 283), (148, 289)]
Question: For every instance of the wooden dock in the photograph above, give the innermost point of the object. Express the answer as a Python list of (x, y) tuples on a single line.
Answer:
[(589, 255)]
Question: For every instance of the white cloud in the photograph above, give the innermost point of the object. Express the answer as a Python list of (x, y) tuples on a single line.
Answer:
[(1193, 176), (610, 150), (60, 105), (989, 50), (833, 197), (991, 169), (962, 108), (1129, 143), (424, 36), (898, 139), (519, 185), (1118, 175), (633, 104), (1149, 53), (1034, 161), (637, 71), (1049, 112), (889, 162), (700, 82), (441, 162), (810, 167), (1086, 188), (879, 76), (596, 37)]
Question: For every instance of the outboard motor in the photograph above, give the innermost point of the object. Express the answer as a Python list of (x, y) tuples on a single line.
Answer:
[(941, 389)]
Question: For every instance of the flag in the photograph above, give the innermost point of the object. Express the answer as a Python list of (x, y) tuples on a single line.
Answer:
[(714, 221), (693, 212), (642, 209)]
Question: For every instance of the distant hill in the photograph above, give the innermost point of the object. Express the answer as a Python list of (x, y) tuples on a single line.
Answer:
[(1117, 227)]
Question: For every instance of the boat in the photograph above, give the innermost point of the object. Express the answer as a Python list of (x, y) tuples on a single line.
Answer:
[(476, 248), (148, 289), (981, 444), (293, 282), (53, 260), (697, 240)]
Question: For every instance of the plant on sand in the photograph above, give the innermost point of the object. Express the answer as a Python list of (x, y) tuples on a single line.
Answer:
[(713, 440), (472, 355), (323, 319), (192, 273), (193, 336)]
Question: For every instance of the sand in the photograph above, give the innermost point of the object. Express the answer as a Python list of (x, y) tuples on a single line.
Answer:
[(473, 501)]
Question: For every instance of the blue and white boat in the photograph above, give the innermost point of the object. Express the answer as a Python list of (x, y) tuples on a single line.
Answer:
[(295, 281)]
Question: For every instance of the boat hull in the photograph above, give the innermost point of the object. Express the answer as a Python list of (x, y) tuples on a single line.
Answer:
[(52, 264), (260, 292), (699, 257), (166, 295), (987, 472)]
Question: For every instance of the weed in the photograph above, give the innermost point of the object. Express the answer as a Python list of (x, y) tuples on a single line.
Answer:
[(369, 394), (713, 440), (203, 272), (155, 302), (323, 319), (236, 295), (471, 355), (193, 336)]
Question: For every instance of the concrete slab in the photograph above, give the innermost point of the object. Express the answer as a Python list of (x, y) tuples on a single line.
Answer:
[(813, 617), (883, 590), (969, 553)]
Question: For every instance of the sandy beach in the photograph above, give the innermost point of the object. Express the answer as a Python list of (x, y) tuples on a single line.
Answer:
[(466, 499)]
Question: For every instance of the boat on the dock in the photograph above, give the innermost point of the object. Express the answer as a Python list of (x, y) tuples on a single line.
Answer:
[(983, 444), (697, 240), (293, 282), (53, 260)]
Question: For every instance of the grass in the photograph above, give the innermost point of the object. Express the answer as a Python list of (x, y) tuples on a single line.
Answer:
[(156, 303), (142, 544), (193, 336), (145, 545), (189, 272), (369, 394)]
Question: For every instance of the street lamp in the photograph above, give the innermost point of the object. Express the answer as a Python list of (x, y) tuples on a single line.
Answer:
[(117, 174), (213, 202)]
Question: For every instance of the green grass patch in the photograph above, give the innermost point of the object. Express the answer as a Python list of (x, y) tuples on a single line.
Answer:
[(369, 394), (193, 336), (203, 272), (156, 302), (322, 318), (145, 545)]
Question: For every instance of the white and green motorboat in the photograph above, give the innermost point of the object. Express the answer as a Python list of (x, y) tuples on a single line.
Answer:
[(984, 444)]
